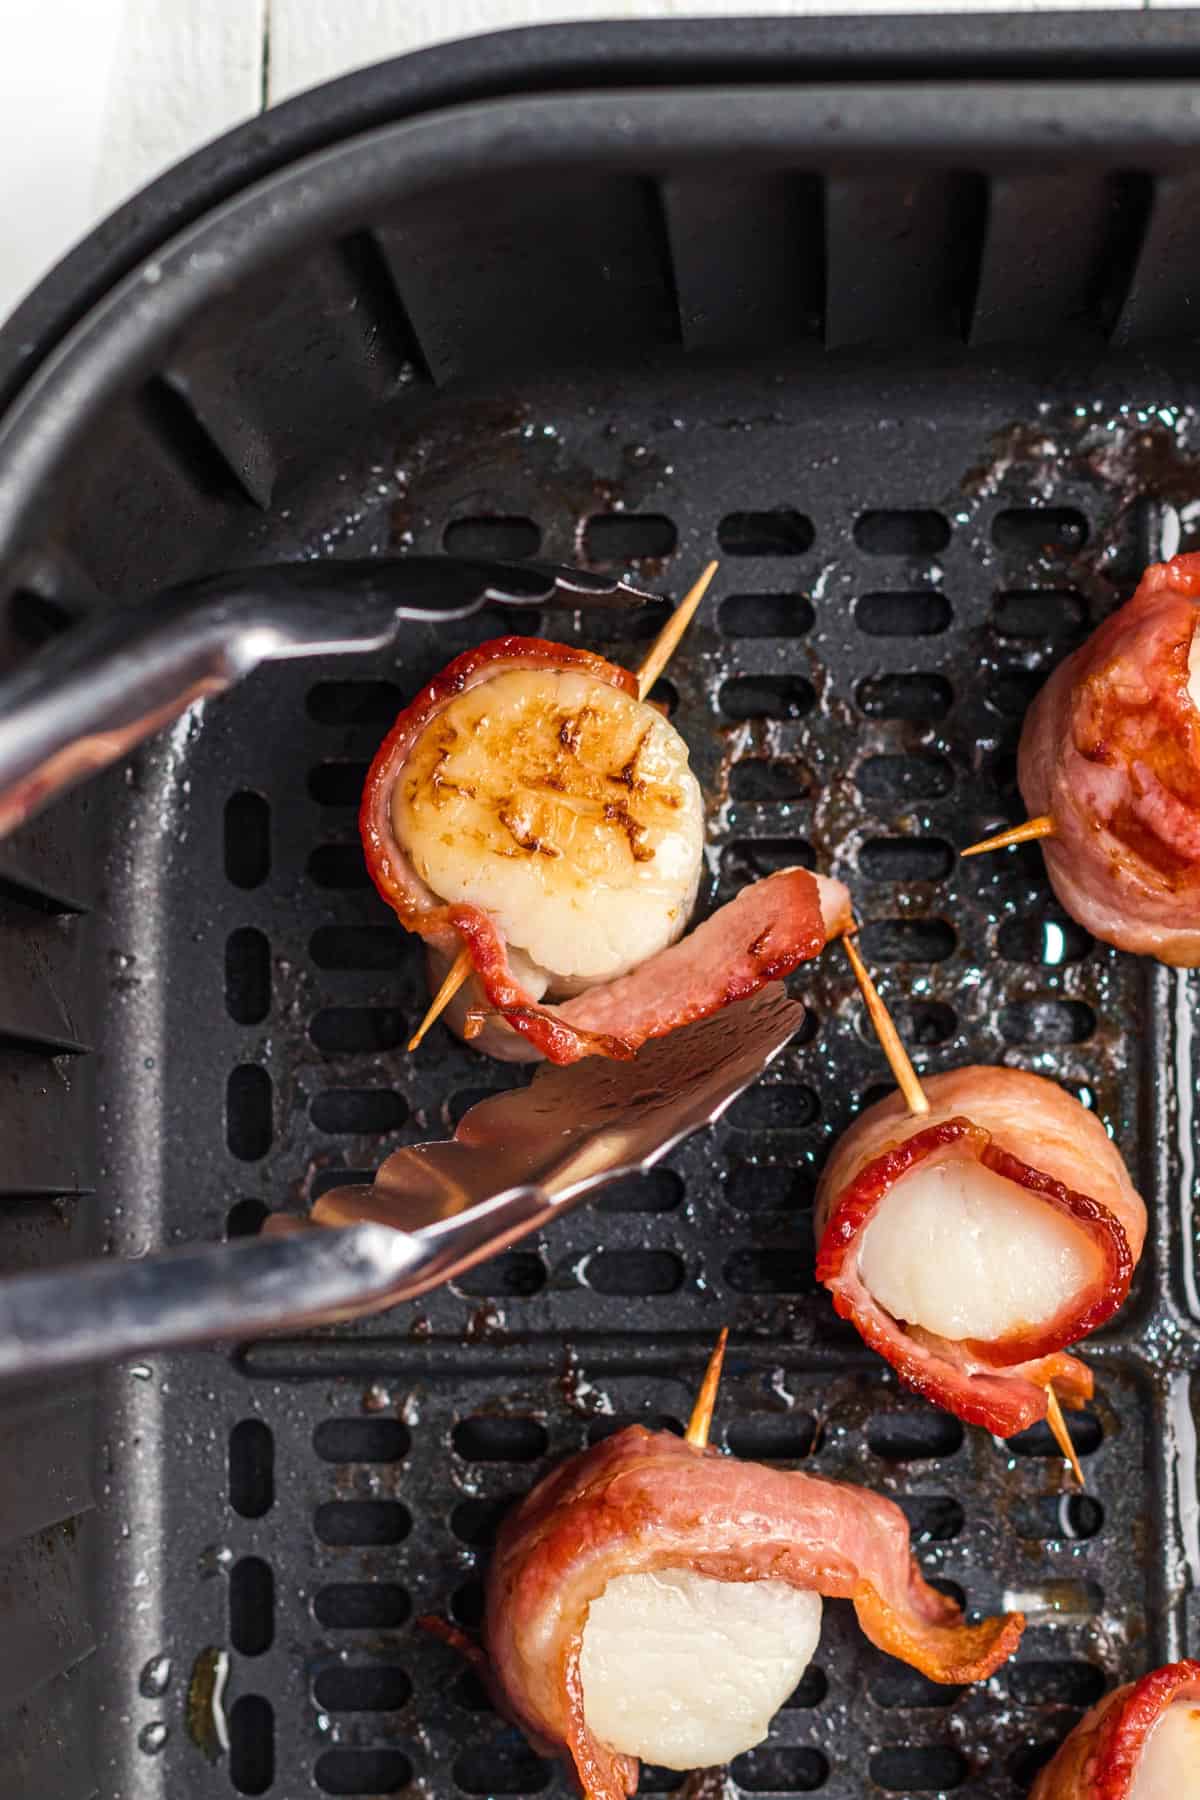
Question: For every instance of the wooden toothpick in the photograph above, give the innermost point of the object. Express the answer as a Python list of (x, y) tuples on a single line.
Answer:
[(1062, 1437), (667, 642), (1041, 827), (899, 1062), (660, 654), (700, 1423), (917, 1102)]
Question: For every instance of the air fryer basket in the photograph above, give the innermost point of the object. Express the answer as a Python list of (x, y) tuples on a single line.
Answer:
[(918, 361)]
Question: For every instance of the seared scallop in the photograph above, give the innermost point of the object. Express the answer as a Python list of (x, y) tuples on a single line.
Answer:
[(567, 810)]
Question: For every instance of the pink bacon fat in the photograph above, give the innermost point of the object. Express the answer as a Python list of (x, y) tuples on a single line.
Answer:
[(765, 932), (642, 1502), (1031, 1132), (1111, 751), (1099, 1760)]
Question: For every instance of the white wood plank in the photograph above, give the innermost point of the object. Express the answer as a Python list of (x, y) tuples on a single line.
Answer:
[(184, 71)]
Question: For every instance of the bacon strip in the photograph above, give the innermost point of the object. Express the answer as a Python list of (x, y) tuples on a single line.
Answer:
[(642, 1501), (1034, 1133), (1098, 1761), (1111, 750), (765, 932)]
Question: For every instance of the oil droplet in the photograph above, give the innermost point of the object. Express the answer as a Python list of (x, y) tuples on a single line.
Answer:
[(377, 1398), (155, 1678), (152, 1737)]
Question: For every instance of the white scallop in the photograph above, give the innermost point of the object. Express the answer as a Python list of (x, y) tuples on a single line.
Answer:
[(965, 1253), (1169, 1766), (686, 1671), (567, 810)]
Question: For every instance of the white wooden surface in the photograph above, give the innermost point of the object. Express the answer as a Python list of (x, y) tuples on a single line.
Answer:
[(98, 96)]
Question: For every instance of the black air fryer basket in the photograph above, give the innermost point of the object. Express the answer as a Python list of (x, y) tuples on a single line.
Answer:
[(901, 320)]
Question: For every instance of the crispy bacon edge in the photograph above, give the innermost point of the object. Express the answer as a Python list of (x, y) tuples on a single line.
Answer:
[(1124, 859), (999, 1384), (1098, 1761), (644, 1500), (765, 932)]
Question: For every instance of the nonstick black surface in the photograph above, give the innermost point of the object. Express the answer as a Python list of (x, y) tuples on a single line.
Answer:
[(608, 368)]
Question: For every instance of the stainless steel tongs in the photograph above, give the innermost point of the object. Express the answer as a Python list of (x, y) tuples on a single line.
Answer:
[(87, 699), (516, 1161)]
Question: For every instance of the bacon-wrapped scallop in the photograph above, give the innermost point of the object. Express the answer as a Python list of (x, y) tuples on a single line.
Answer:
[(652, 1600), (1141, 1742), (971, 1245), (1109, 764), (530, 806)]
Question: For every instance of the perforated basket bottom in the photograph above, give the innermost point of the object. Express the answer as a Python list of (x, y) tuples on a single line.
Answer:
[(896, 583)]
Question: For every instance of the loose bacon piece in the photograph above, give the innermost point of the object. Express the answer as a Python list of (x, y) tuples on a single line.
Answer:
[(1111, 751), (763, 933), (1099, 1760), (1030, 1131), (643, 1501)]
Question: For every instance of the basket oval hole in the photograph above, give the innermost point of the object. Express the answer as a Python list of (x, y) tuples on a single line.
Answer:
[(1049, 942), (1070, 1516), (371, 948), (251, 1468), (245, 1218), (624, 537), (919, 612), (362, 1112), (505, 1766), (932, 1518), (911, 695), (248, 1123), (783, 532), (919, 1768), (251, 1744), (780, 1769), (772, 1437), (507, 539), (1039, 613), (897, 780), (373, 1772), (247, 976), (337, 783), (776, 1106), (493, 1438), (362, 1606), (247, 839), (914, 1436), (771, 1269), (514, 1275), (908, 940), (1040, 530), (658, 1191), (634, 1272), (768, 783), (898, 1685), (338, 866), (767, 697), (1086, 1433), (357, 1030), (476, 1522), (1056, 1683), (1046, 1022), (354, 702), (341, 1523), (251, 1606), (766, 615), (362, 1687), (920, 531), (362, 1440), (906, 859)]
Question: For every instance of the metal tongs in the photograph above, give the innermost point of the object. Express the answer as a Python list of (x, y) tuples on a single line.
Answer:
[(109, 682), (516, 1161)]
